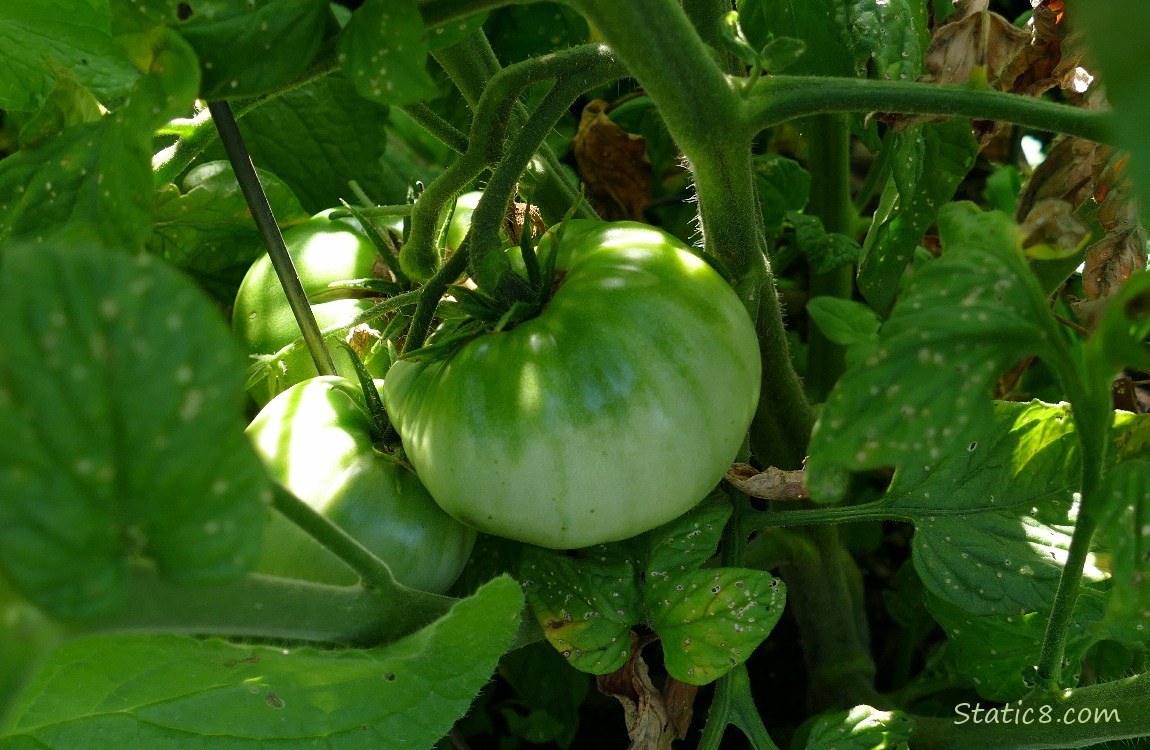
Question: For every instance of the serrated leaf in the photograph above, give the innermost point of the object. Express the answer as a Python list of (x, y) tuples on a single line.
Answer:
[(928, 163), (861, 728), (74, 35), (325, 122), (94, 180), (994, 651), (964, 319), (167, 692), (1124, 524), (249, 48), (120, 402), (207, 230), (711, 620), (383, 50), (586, 607)]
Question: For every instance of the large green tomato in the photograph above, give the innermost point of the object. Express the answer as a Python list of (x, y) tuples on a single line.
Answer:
[(615, 410), (323, 251), (315, 439)]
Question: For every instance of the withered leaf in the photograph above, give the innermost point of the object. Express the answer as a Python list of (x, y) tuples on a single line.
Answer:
[(1065, 174), (613, 164), (654, 719), (771, 484), (1052, 231)]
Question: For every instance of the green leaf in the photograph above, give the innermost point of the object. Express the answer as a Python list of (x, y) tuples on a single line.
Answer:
[(1120, 338), (995, 651), (783, 186), (861, 728), (383, 49), (993, 522), (587, 606), (120, 402), (518, 32), (207, 229), (1115, 31), (75, 35), (453, 31), (323, 123), (889, 37), (68, 104), (549, 689), (1124, 525), (826, 252), (94, 180), (925, 391), (26, 636), (249, 47), (818, 23), (167, 692), (710, 621), (844, 321), (928, 163)]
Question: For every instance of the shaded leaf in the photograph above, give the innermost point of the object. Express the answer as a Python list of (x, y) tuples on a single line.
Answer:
[(120, 400), (518, 32), (76, 36), (783, 186), (383, 50), (1124, 523), (68, 104), (167, 692), (817, 23), (826, 252), (207, 230), (929, 162), (844, 321)]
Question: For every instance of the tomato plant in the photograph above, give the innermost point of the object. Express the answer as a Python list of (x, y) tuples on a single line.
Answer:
[(530, 433), (822, 326), (315, 438)]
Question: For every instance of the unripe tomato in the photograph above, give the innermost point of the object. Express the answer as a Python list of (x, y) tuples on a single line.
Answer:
[(615, 410), (323, 251), (315, 440)]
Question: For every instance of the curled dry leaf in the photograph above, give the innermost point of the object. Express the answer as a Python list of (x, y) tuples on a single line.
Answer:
[(772, 484), (654, 719), (1052, 231), (613, 164), (517, 216)]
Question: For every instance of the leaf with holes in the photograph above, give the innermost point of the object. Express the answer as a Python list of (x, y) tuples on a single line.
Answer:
[(166, 692), (1124, 522), (964, 319), (120, 403), (383, 50), (585, 606), (711, 620), (928, 163), (995, 651)]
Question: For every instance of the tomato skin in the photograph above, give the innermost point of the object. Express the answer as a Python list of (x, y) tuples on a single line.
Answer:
[(315, 440), (323, 251), (615, 410)]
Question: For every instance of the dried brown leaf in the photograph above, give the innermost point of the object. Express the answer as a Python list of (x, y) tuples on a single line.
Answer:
[(771, 484), (1052, 231), (654, 719), (1066, 174), (1111, 260), (613, 164)]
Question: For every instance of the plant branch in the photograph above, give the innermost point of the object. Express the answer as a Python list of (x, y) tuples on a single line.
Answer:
[(444, 131), (589, 66), (777, 99), (261, 211)]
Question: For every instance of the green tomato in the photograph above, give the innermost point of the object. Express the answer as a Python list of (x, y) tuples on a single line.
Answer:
[(315, 440), (323, 251), (615, 410), (461, 220)]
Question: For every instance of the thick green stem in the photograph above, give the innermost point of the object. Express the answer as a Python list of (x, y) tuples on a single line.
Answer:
[(429, 120), (733, 705), (829, 164), (268, 607), (707, 18), (776, 99), (1074, 718), (490, 267)]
